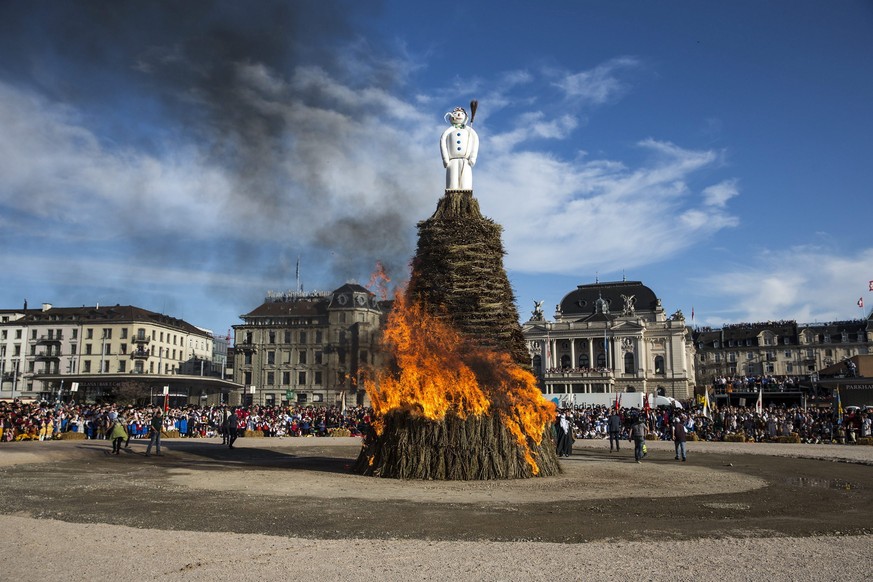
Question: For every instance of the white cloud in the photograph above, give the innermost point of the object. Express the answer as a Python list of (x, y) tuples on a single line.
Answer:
[(719, 194), (566, 217), (598, 85), (355, 150), (804, 283)]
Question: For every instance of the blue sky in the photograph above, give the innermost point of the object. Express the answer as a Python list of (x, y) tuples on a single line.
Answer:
[(182, 156)]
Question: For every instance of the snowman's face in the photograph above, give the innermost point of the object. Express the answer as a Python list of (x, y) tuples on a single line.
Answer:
[(459, 116)]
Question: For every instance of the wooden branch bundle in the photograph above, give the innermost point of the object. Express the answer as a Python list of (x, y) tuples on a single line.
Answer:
[(458, 270), (473, 448)]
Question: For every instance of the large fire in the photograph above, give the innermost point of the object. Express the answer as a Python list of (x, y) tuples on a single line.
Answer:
[(438, 372)]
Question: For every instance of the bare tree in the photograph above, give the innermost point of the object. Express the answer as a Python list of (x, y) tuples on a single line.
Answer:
[(131, 392)]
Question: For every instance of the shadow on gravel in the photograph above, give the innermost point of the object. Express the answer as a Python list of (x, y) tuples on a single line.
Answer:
[(205, 455)]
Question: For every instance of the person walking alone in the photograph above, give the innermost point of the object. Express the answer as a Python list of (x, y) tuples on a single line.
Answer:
[(679, 435), (232, 428), (638, 434), (614, 428), (156, 426), (117, 432)]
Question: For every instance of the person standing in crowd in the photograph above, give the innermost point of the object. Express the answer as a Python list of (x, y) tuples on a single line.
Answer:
[(638, 434), (156, 427), (614, 427), (679, 435), (232, 428), (117, 432)]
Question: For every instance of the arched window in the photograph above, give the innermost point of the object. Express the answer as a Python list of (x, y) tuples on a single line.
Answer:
[(565, 361), (659, 364), (628, 363), (601, 360), (630, 389), (584, 362)]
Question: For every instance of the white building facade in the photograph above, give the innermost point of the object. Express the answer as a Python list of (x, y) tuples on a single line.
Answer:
[(611, 337), (43, 351)]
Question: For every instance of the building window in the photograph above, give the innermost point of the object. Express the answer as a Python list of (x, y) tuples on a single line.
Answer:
[(302, 337), (301, 357), (601, 360), (286, 378), (87, 366), (319, 337), (247, 359), (87, 349), (301, 378), (89, 333), (317, 379), (107, 349), (122, 366), (628, 363), (271, 378), (271, 358), (319, 357), (584, 362), (247, 378), (287, 337), (271, 337), (659, 364)]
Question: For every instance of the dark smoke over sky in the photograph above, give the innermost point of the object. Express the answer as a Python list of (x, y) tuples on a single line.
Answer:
[(222, 133), (183, 155)]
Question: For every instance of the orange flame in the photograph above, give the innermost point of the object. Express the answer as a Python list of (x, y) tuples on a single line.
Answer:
[(438, 372), (379, 279)]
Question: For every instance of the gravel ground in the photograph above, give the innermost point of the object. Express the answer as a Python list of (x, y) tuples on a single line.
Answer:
[(47, 528)]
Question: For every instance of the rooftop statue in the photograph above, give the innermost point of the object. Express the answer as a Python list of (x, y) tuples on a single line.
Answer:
[(460, 147)]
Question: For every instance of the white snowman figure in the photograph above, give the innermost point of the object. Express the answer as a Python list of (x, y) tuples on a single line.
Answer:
[(460, 147)]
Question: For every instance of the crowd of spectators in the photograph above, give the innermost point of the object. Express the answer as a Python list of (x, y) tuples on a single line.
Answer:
[(582, 370), (806, 425), (752, 383), (45, 421)]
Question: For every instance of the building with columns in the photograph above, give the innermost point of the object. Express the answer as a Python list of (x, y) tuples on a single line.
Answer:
[(611, 337)]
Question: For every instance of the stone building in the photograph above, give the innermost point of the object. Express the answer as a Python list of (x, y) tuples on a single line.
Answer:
[(308, 347), (784, 349), (611, 337), (44, 351)]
